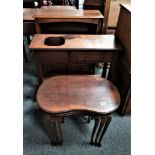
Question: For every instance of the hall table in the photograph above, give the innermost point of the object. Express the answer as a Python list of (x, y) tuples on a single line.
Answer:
[(73, 51), (63, 15), (80, 95)]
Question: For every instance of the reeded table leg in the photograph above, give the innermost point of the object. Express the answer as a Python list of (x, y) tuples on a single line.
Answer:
[(108, 120), (50, 130), (100, 129), (56, 137), (96, 124), (101, 124)]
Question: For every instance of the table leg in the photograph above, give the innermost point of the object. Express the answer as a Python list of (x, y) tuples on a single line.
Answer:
[(24, 52), (50, 130), (29, 41), (96, 124), (56, 130), (103, 120), (99, 26), (59, 130), (108, 120)]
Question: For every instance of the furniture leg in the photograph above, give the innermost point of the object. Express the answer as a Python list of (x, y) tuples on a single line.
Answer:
[(103, 120), (55, 134), (24, 52), (57, 131), (51, 130), (99, 26), (29, 41), (104, 70), (108, 120), (62, 119), (96, 124)]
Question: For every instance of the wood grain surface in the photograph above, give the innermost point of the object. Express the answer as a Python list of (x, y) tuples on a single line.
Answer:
[(78, 92), (87, 42), (30, 14)]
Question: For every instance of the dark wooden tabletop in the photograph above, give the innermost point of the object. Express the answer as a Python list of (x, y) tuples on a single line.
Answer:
[(86, 42), (78, 92)]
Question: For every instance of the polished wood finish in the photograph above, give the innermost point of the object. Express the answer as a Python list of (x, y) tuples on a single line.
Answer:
[(30, 14), (101, 124), (63, 15), (92, 20), (77, 42), (106, 15), (103, 6), (114, 12), (81, 95), (83, 16), (78, 51), (123, 81), (72, 92), (28, 19)]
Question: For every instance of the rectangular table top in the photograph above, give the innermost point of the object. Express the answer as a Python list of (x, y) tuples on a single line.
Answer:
[(76, 42), (30, 14)]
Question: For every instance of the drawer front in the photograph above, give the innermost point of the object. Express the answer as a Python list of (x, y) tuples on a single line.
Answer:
[(82, 68), (91, 56), (53, 68), (53, 57)]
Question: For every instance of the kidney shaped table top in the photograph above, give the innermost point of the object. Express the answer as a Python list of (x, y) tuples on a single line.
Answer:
[(78, 92)]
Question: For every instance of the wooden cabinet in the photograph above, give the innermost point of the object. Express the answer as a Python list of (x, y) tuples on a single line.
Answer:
[(123, 80)]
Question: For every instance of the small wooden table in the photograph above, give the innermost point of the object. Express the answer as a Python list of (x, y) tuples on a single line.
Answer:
[(83, 95), (63, 15), (76, 52)]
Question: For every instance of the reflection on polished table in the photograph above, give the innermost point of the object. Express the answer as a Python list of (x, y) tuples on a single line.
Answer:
[(79, 95)]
